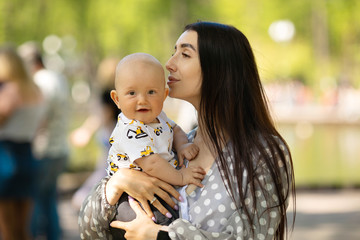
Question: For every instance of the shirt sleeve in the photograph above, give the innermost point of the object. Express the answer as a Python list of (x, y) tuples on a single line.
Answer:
[(96, 214)]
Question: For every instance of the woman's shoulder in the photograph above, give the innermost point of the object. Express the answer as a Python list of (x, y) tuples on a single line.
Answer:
[(274, 149)]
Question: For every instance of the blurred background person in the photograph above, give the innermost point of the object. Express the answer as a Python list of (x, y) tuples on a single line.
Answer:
[(21, 111), (50, 145), (101, 122)]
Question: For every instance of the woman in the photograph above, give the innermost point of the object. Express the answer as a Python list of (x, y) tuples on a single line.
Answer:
[(21, 107), (249, 176)]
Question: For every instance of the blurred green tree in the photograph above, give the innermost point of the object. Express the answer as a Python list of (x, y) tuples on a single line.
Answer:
[(325, 43)]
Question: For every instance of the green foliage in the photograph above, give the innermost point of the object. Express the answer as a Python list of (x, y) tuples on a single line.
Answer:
[(119, 27)]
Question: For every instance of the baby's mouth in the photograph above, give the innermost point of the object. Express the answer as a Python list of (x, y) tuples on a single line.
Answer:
[(143, 110)]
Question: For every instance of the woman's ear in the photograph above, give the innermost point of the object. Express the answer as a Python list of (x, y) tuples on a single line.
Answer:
[(115, 98)]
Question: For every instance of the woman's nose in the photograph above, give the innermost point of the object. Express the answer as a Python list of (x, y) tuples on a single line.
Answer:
[(170, 66)]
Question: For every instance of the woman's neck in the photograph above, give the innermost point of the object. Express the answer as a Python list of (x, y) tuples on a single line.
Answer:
[(205, 157)]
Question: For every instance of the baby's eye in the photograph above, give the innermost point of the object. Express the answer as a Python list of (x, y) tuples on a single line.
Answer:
[(152, 92), (132, 93)]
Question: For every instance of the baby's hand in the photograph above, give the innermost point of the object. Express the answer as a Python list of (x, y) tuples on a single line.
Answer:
[(188, 151), (192, 175)]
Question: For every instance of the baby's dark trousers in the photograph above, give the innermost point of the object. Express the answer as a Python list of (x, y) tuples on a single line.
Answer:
[(126, 214)]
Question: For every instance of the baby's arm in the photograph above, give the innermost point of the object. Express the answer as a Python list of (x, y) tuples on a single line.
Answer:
[(157, 166), (182, 146)]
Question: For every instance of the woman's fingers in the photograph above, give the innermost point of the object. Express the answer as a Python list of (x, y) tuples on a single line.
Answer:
[(119, 224), (136, 207), (146, 207), (125, 225), (141, 228), (143, 188), (164, 191), (161, 208), (138, 211)]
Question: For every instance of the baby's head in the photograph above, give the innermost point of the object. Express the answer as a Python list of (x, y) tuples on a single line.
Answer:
[(140, 87)]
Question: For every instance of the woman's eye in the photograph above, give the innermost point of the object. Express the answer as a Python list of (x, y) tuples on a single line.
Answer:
[(185, 55)]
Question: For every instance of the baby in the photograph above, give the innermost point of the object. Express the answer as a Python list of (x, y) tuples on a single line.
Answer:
[(144, 137)]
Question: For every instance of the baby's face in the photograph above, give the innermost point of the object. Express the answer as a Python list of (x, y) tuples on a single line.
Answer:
[(141, 91)]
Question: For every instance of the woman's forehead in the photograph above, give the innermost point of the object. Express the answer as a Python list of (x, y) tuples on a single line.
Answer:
[(187, 39)]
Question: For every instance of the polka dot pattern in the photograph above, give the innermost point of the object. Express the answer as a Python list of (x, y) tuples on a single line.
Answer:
[(197, 237), (221, 208), (213, 214), (180, 230), (172, 234), (216, 213), (211, 223), (218, 196)]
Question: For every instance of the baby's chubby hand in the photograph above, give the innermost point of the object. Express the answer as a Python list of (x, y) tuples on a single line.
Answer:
[(188, 151), (192, 175)]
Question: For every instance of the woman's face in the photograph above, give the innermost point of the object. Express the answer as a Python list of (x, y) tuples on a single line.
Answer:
[(185, 72)]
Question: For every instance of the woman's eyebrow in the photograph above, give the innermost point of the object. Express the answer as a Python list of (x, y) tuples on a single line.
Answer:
[(185, 45)]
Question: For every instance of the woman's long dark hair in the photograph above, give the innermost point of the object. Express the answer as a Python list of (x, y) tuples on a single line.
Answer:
[(233, 109)]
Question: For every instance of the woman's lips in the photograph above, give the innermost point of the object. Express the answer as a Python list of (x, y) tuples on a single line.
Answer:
[(172, 80)]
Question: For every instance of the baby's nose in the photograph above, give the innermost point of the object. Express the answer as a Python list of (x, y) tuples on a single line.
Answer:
[(142, 99)]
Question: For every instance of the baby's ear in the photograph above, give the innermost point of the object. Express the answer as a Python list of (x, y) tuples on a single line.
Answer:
[(166, 93), (115, 98)]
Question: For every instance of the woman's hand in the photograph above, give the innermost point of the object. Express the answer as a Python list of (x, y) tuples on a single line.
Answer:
[(143, 188), (142, 227)]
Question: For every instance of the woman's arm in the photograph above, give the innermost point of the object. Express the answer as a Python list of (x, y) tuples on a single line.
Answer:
[(96, 214), (99, 208)]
